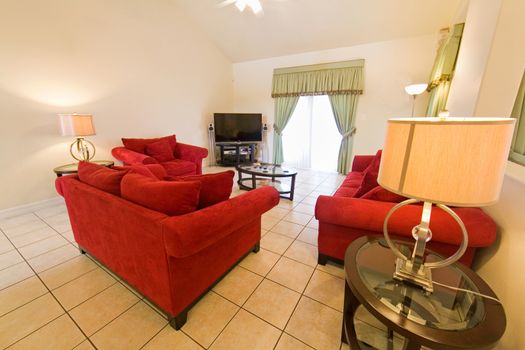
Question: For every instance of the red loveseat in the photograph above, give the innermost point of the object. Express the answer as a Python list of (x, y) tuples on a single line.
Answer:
[(178, 159), (344, 218), (171, 260)]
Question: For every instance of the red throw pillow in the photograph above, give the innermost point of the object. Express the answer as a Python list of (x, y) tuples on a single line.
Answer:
[(381, 194), (369, 176), (160, 150), (101, 177), (215, 187), (139, 145), (369, 182), (170, 198), (155, 171), (373, 167)]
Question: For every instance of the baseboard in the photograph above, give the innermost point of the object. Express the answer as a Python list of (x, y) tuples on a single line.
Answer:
[(29, 208)]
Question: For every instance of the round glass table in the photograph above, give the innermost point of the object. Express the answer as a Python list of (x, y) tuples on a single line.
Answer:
[(73, 167), (264, 174), (448, 318)]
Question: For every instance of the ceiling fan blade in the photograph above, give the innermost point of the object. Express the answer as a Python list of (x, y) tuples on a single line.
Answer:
[(225, 3)]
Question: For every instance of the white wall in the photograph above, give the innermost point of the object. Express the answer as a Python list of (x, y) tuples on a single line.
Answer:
[(503, 266), (476, 43), (389, 66), (140, 68)]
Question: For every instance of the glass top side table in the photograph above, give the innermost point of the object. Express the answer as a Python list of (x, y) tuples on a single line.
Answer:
[(446, 319), (73, 167)]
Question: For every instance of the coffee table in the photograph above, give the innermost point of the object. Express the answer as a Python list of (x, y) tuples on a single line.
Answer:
[(445, 319), (260, 172), (73, 167)]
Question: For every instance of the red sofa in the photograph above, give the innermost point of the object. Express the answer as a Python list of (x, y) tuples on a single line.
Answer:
[(184, 160), (171, 260), (344, 217)]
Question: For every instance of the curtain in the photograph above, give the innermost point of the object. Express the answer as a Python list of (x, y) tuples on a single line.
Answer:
[(517, 152), (321, 79), (344, 108), (333, 79), (443, 71), (284, 107)]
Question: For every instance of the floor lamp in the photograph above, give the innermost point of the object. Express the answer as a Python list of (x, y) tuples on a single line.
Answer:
[(441, 161), (414, 90)]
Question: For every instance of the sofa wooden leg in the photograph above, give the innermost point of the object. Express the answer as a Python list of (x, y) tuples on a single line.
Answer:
[(178, 321), (322, 259), (256, 247), (82, 251)]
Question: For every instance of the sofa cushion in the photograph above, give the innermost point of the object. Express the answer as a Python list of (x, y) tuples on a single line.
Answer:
[(160, 150), (101, 177), (139, 145), (381, 194), (370, 176), (373, 167), (179, 167), (345, 192), (170, 198), (215, 187), (369, 182), (155, 171), (353, 179)]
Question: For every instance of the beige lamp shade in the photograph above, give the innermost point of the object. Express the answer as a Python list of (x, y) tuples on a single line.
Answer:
[(451, 161), (76, 125)]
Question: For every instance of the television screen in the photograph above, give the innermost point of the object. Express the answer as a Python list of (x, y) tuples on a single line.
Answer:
[(238, 127)]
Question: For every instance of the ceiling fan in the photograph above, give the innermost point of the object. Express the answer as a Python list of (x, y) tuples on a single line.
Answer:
[(254, 5)]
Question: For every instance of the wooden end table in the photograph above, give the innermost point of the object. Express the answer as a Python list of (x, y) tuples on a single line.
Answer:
[(73, 167), (446, 319)]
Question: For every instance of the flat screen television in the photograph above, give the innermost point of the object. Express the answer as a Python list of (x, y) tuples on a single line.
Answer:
[(238, 127)]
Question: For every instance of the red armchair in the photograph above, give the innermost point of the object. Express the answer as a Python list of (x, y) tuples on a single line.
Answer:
[(186, 159), (344, 218)]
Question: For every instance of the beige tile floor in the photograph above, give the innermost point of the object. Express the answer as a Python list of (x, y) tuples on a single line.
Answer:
[(51, 297)]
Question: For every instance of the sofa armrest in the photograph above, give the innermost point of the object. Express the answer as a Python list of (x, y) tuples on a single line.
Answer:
[(370, 215), (59, 182), (188, 234), (129, 157), (360, 163), (190, 153)]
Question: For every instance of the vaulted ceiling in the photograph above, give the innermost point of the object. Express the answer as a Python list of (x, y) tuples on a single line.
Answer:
[(296, 26)]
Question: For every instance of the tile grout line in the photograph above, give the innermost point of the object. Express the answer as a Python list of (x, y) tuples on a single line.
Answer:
[(281, 255), (240, 308), (295, 306), (58, 302)]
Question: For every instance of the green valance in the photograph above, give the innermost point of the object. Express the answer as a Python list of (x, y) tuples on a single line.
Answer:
[(337, 78), (517, 152)]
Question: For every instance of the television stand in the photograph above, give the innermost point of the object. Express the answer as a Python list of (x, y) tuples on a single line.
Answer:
[(232, 154)]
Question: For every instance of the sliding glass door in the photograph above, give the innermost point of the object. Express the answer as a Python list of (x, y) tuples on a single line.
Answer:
[(311, 139)]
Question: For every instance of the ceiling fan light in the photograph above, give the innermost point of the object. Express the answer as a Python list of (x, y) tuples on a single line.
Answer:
[(241, 5), (255, 6)]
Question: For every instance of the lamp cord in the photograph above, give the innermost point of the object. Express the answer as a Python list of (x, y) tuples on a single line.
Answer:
[(468, 291)]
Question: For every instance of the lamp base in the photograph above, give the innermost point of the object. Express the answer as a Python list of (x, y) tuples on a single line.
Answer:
[(414, 269), (82, 149), (421, 277)]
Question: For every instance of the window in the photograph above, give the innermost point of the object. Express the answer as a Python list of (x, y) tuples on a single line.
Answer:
[(311, 139), (517, 152)]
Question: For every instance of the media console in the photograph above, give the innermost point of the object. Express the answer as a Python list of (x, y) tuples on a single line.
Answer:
[(232, 154)]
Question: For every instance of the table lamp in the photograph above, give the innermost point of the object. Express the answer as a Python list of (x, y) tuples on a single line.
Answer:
[(78, 125), (414, 90), (442, 161)]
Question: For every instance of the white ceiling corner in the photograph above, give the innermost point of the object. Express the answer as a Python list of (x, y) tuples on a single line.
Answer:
[(296, 26)]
